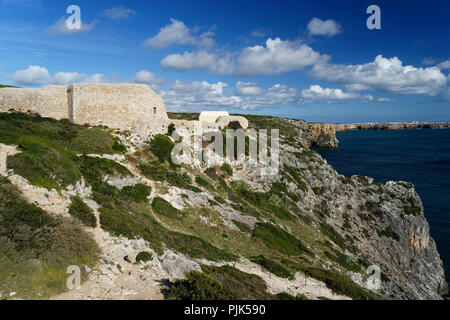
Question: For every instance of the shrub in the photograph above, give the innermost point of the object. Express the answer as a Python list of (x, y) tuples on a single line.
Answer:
[(197, 286), (227, 169), (203, 183), (170, 129), (94, 140), (28, 232), (161, 146), (212, 173), (44, 164), (241, 187), (144, 256), (82, 212), (162, 207), (331, 233), (389, 234), (278, 239), (272, 266), (242, 226), (137, 193)]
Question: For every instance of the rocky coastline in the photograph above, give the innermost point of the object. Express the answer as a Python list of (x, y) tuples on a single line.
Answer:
[(391, 126)]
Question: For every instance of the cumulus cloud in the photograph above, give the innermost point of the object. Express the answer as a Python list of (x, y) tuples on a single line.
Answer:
[(37, 75), (119, 13), (32, 76), (196, 95), (276, 57), (247, 88), (177, 33), (189, 60), (383, 74), (444, 65), (329, 28), (316, 92), (60, 27), (67, 77)]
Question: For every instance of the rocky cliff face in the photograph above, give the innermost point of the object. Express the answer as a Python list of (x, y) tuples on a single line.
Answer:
[(323, 135)]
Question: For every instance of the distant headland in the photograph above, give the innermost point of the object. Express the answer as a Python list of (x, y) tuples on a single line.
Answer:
[(391, 126)]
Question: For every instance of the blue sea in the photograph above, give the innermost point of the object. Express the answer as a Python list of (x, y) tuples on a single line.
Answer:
[(418, 156)]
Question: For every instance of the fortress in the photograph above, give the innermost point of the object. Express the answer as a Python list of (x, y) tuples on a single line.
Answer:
[(133, 107)]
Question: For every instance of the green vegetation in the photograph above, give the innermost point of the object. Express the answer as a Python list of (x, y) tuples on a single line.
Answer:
[(339, 283), (156, 171), (329, 232), (36, 248), (98, 141), (82, 212), (219, 283), (278, 239), (144, 256), (162, 207), (161, 146), (120, 218), (50, 147), (227, 169), (137, 193), (272, 266), (204, 183), (389, 234)]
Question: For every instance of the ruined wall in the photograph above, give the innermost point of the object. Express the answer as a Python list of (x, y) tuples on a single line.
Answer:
[(49, 101), (122, 106)]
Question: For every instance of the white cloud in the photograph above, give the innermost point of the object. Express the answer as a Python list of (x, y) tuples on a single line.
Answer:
[(119, 13), (444, 65), (60, 27), (189, 60), (316, 92), (276, 57), (383, 74), (32, 76), (67, 77), (177, 33), (199, 95), (329, 28), (37, 75), (247, 88), (148, 78)]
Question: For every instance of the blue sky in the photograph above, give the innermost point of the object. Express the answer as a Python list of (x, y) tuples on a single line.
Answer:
[(314, 60)]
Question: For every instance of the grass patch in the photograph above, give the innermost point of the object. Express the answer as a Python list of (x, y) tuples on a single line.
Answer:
[(272, 266), (280, 240), (144, 256), (137, 193), (36, 248), (162, 207), (82, 212)]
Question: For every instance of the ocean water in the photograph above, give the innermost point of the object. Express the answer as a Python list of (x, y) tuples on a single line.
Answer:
[(418, 156)]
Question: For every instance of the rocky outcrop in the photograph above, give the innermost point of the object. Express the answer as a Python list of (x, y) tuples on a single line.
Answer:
[(391, 126), (323, 135)]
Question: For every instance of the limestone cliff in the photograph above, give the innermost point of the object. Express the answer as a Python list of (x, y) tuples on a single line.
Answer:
[(323, 135)]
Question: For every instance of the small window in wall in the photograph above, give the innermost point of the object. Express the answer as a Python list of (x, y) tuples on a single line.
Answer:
[(154, 110)]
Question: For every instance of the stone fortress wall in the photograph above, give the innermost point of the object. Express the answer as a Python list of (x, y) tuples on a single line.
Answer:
[(132, 107), (50, 101)]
